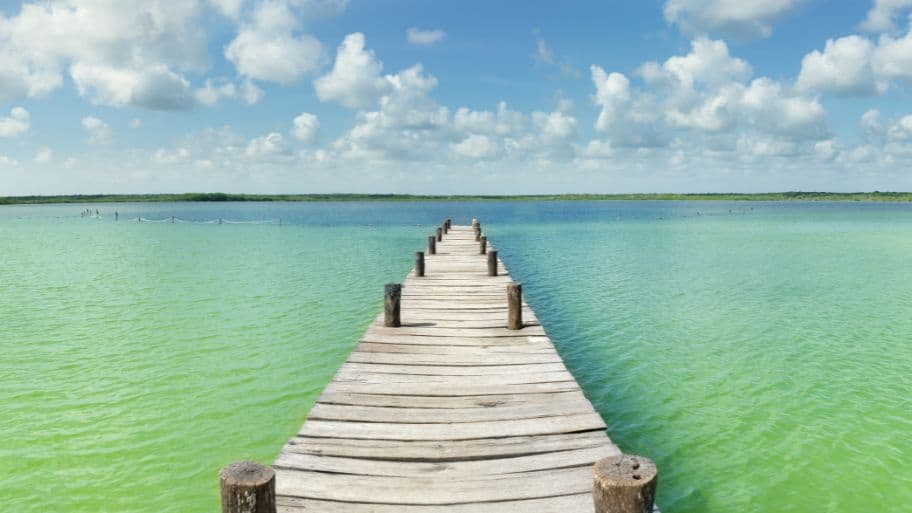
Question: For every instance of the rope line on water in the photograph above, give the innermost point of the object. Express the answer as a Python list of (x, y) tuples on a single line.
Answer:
[(208, 221)]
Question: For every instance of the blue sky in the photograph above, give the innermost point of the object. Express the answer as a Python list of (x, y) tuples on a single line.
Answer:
[(297, 96)]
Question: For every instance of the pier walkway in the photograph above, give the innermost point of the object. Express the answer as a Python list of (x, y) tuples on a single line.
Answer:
[(450, 412)]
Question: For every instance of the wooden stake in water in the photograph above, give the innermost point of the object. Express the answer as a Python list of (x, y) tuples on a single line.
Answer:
[(514, 306), (392, 294), (247, 487), (419, 263), (492, 263), (624, 484)]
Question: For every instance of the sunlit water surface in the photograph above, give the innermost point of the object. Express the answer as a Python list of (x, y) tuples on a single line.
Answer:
[(759, 352)]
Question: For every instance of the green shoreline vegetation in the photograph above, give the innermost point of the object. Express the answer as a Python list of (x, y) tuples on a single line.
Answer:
[(220, 196)]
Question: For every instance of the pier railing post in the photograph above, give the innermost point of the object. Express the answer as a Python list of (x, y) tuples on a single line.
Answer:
[(624, 484), (432, 245), (419, 263), (392, 294), (247, 487), (449, 223), (482, 245), (492, 263), (445, 227), (477, 231), (439, 234), (514, 306)]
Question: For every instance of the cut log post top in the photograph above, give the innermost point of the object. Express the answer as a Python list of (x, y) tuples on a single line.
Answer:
[(624, 484), (419, 263), (392, 294), (247, 487), (492, 263), (514, 306), (483, 245), (432, 245)]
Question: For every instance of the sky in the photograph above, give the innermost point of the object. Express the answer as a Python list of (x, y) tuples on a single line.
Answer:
[(454, 97)]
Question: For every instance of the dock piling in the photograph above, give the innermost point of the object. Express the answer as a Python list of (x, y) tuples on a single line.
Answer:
[(432, 245), (624, 484), (514, 306), (419, 263), (492, 263), (482, 245), (392, 295), (444, 226), (247, 487), (439, 234)]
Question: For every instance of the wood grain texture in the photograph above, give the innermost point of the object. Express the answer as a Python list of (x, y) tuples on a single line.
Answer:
[(451, 411)]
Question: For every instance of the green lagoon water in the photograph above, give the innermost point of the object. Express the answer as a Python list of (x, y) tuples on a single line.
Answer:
[(760, 353)]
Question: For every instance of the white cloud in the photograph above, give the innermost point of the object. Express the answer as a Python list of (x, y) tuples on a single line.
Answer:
[(268, 147), (154, 87), (120, 53), (305, 127), (740, 19), (98, 131), (44, 155), (229, 8), (421, 37), (476, 146), (135, 123), (17, 123), (270, 49), (854, 65), (354, 80), (705, 94), (882, 16), (844, 67), (214, 90)]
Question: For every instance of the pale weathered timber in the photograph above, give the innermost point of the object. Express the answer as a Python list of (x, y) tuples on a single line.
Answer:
[(452, 410)]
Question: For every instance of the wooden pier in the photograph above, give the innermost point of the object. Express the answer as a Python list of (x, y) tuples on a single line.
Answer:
[(442, 408)]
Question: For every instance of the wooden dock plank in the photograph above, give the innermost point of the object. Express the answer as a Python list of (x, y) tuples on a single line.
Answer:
[(450, 411)]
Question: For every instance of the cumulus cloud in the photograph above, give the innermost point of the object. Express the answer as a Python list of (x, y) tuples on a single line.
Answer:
[(268, 147), (270, 48), (705, 94), (476, 146), (17, 123), (419, 37), (354, 80), (305, 127), (882, 16), (739, 19), (855, 65), (118, 53), (98, 131)]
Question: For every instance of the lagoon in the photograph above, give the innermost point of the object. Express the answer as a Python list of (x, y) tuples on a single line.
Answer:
[(758, 352)]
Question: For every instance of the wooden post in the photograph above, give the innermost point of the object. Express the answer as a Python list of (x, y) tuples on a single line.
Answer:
[(483, 245), (477, 232), (492, 263), (449, 223), (392, 294), (432, 244), (419, 263), (444, 226), (514, 306), (474, 222), (247, 487), (439, 234), (624, 484)]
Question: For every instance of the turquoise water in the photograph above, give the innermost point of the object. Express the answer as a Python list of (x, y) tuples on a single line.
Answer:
[(760, 353)]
